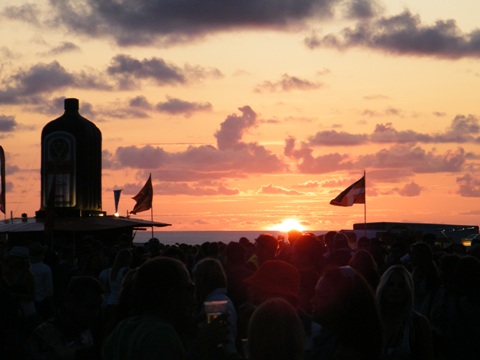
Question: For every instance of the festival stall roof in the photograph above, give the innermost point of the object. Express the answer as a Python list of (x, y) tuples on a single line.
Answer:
[(93, 223), (105, 227)]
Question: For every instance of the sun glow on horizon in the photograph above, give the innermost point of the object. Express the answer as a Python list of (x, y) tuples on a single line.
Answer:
[(288, 224)]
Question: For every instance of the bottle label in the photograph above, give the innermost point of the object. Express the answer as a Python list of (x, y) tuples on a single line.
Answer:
[(60, 169)]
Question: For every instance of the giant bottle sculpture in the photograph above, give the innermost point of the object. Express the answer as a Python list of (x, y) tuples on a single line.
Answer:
[(71, 174)]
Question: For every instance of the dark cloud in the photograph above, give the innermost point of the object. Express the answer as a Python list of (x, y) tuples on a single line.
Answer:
[(335, 138), (390, 175), (287, 83), (464, 125), (26, 13), (415, 158), (7, 124), (234, 127), (128, 71), (277, 190), (407, 156), (463, 129), (30, 85), (405, 34), (147, 22), (390, 111), (411, 189), (147, 157), (468, 186), (55, 108), (181, 188), (140, 102), (309, 164), (64, 47), (362, 9), (177, 106), (120, 113), (233, 157), (386, 133)]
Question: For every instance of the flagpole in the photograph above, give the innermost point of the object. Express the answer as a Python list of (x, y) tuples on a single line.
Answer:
[(151, 210), (151, 217), (365, 204)]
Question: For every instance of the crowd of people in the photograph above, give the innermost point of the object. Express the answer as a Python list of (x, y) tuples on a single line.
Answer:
[(323, 297)]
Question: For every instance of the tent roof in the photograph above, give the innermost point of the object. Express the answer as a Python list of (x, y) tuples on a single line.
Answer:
[(93, 223)]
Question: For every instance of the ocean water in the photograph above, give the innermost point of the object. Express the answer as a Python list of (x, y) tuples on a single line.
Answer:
[(199, 237)]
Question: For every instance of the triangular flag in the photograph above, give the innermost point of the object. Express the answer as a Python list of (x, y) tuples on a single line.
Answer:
[(354, 194), (116, 196), (144, 197)]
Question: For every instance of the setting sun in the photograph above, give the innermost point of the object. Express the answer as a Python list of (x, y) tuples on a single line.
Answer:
[(287, 225)]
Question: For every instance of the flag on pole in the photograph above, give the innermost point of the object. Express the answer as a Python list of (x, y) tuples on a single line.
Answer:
[(116, 196), (354, 194), (144, 197), (3, 204)]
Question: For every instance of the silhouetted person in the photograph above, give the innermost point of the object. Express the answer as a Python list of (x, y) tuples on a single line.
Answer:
[(425, 277), (236, 271), (112, 279), (285, 252), (20, 283), (275, 279), (407, 333), (9, 320), (275, 332), (211, 285), (160, 327), (344, 306), (456, 316), (265, 249), (363, 262), (306, 256), (42, 275), (76, 331)]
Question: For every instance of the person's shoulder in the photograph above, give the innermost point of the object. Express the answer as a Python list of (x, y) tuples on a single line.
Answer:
[(148, 323), (421, 324), (419, 318), (104, 273)]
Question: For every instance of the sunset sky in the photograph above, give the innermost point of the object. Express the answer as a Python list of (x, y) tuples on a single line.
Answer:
[(250, 112)]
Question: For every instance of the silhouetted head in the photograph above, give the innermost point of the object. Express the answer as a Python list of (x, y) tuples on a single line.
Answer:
[(163, 287), (265, 247), (235, 253), (275, 278), (82, 302), (208, 275), (275, 332)]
